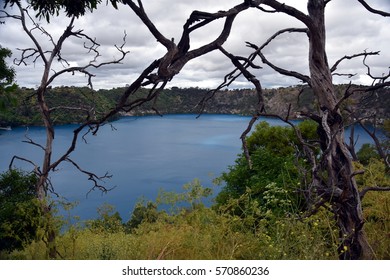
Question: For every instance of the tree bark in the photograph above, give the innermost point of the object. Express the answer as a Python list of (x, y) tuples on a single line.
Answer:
[(335, 175)]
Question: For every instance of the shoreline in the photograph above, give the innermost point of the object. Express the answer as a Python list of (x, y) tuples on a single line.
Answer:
[(10, 127)]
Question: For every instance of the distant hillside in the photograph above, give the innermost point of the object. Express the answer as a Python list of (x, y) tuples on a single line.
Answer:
[(181, 100)]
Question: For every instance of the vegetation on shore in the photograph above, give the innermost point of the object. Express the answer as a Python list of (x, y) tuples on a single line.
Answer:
[(199, 232), (75, 104)]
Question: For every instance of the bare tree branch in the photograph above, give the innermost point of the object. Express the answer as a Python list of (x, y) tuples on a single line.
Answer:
[(381, 79), (289, 10), (258, 51), (140, 12), (243, 139), (377, 142), (227, 81), (349, 57), (30, 141), (36, 167), (248, 75), (364, 191), (84, 69), (372, 10), (93, 177)]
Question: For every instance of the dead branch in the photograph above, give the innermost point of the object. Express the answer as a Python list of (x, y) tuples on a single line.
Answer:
[(84, 69), (372, 10), (30, 141), (378, 82), (26, 55), (140, 12), (36, 167), (289, 10), (377, 142), (258, 52), (93, 177), (349, 57), (243, 68), (227, 81), (352, 143), (375, 188), (244, 136), (89, 112), (381, 79), (94, 125)]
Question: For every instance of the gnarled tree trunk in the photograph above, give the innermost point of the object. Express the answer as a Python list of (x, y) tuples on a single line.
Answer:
[(333, 178)]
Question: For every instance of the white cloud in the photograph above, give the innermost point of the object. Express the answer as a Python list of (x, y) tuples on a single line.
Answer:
[(350, 29)]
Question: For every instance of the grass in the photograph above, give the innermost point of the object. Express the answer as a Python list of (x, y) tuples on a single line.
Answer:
[(198, 234), (201, 233)]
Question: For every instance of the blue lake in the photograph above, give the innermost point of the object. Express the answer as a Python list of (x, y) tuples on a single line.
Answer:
[(144, 155)]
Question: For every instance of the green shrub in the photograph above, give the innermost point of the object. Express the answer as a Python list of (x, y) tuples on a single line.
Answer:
[(20, 211), (275, 175), (108, 220), (142, 213), (366, 152)]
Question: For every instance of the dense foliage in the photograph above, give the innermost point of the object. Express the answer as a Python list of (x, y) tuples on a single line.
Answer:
[(47, 8), (20, 215), (7, 76), (276, 174)]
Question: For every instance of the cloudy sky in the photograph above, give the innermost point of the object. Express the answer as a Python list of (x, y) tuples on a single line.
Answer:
[(350, 29)]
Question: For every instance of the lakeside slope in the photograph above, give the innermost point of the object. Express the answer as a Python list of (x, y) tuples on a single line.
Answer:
[(183, 101)]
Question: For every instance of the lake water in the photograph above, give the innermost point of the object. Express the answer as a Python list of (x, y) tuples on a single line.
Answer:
[(144, 155)]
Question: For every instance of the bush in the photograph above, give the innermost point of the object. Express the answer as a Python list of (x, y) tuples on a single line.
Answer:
[(366, 152), (275, 176), (142, 213), (20, 211), (108, 220)]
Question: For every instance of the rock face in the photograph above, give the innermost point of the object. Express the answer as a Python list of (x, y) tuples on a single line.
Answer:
[(189, 100)]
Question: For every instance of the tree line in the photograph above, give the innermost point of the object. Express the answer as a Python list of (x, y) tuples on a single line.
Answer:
[(19, 109)]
